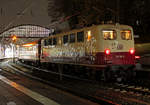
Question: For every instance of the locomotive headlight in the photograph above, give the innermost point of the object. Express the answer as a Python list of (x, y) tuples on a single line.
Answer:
[(132, 51), (107, 51)]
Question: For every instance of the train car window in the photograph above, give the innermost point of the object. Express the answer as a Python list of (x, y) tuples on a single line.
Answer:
[(109, 34), (54, 41), (45, 42), (80, 36), (72, 38), (65, 39), (126, 35), (50, 41)]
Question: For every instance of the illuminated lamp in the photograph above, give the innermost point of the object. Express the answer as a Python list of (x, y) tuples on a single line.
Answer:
[(132, 51), (28, 44), (14, 38), (89, 35), (107, 51), (137, 57)]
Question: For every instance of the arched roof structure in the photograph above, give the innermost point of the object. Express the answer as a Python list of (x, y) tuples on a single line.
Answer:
[(25, 34), (24, 17)]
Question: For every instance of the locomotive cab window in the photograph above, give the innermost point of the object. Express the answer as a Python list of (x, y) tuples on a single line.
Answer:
[(80, 36), (72, 38), (65, 39), (109, 34), (126, 35)]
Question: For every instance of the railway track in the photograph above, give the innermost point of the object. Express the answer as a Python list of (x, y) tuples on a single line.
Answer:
[(112, 93), (128, 94)]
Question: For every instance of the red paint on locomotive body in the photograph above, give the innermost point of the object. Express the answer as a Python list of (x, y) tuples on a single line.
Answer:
[(115, 58)]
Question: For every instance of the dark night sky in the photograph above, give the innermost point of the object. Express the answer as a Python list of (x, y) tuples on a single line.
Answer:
[(78, 13), (131, 12)]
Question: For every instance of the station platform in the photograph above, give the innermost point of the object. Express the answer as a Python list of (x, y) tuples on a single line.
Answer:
[(20, 90), (84, 93)]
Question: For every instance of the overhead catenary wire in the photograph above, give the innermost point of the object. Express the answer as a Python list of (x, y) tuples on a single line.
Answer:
[(22, 11)]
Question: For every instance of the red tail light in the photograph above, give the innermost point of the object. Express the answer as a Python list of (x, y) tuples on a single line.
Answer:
[(137, 57), (132, 51), (107, 51)]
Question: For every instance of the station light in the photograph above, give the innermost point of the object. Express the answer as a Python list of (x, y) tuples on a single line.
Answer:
[(14, 38), (28, 44)]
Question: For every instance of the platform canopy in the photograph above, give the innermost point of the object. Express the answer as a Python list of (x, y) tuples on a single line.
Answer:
[(24, 34), (16, 15)]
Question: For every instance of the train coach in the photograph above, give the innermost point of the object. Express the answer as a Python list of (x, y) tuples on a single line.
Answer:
[(90, 50), (29, 53)]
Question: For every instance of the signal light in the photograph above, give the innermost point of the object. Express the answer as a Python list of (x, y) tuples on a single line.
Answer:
[(107, 51), (132, 51)]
